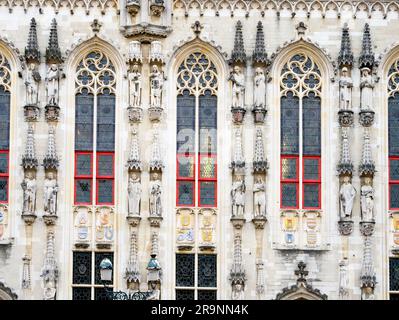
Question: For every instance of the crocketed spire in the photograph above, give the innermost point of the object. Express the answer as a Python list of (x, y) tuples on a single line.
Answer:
[(29, 160), (51, 160), (50, 269), (366, 59), (132, 273), (345, 57), (367, 277), (238, 54), (238, 157), (153, 266), (367, 165), (260, 163), (260, 283), (134, 162), (32, 53), (53, 52), (345, 165), (156, 163), (260, 55), (237, 272)]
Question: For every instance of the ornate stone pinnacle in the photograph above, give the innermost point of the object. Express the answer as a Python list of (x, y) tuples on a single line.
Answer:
[(29, 160), (197, 28), (154, 243), (367, 277), (238, 157), (26, 279), (238, 55), (51, 160), (156, 163), (301, 272), (301, 29), (134, 162), (260, 55), (366, 59), (132, 273), (53, 52), (345, 165), (237, 272), (345, 57), (96, 26), (50, 270), (260, 164), (260, 283), (367, 165), (32, 53)]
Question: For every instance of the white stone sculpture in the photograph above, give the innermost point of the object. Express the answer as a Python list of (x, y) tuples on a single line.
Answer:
[(135, 86), (259, 198), (367, 200), (238, 197), (237, 291), (238, 80), (343, 279), (155, 196), (29, 187), (366, 87), (134, 194), (156, 85), (259, 88), (345, 90), (52, 79), (347, 195), (32, 84), (50, 194)]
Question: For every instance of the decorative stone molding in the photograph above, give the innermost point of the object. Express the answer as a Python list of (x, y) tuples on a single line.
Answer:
[(133, 221), (146, 32), (366, 118), (135, 114), (50, 219), (238, 221), (155, 221), (345, 227), (6, 293), (133, 7), (135, 55), (367, 228), (157, 7), (259, 222), (345, 118)]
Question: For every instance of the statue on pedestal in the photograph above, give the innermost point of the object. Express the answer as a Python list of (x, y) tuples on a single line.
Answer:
[(345, 90), (29, 188), (135, 86), (259, 89), (134, 194), (347, 195), (52, 79), (238, 80), (50, 194), (32, 84)]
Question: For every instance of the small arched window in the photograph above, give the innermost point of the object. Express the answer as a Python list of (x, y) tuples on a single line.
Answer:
[(300, 92)]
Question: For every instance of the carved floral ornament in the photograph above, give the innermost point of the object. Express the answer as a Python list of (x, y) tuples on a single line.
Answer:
[(5, 73)]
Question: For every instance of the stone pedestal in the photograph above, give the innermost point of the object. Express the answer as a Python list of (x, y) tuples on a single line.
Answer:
[(345, 227)]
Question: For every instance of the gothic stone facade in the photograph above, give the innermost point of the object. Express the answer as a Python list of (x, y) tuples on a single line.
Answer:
[(209, 149)]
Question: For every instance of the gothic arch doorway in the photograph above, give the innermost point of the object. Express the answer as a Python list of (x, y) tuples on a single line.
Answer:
[(7, 293), (301, 290)]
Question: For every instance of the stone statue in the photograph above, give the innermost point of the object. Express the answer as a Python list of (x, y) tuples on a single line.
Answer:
[(135, 86), (259, 89), (238, 197), (156, 85), (155, 196), (237, 291), (134, 194), (32, 84), (52, 79), (259, 198), (366, 87), (50, 194), (238, 80), (367, 200), (347, 194), (29, 187), (345, 90)]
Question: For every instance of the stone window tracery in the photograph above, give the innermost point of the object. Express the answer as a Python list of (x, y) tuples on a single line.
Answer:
[(300, 91)]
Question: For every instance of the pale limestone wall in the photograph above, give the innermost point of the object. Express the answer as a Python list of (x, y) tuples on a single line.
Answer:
[(279, 264)]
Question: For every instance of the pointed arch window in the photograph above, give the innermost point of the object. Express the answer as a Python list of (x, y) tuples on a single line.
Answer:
[(5, 95), (196, 132), (300, 125), (94, 130)]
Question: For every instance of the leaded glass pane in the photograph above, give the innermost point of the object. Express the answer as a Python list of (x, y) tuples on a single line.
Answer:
[(289, 168), (208, 167), (99, 256), (394, 196), (311, 195), (81, 268), (289, 124), (207, 270), (105, 189), (185, 166), (311, 125), (185, 270), (84, 122), (83, 165), (206, 295), (83, 190), (81, 293), (208, 123), (393, 169), (394, 297), (105, 122), (184, 294), (105, 165), (394, 274), (185, 193), (185, 123), (207, 193), (4, 119), (311, 169), (393, 125), (100, 294), (3, 189), (3, 163), (289, 195)]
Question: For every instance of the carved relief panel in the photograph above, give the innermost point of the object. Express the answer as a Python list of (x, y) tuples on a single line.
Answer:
[(207, 229), (311, 227), (185, 222), (104, 226), (82, 226), (289, 226), (3, 222)]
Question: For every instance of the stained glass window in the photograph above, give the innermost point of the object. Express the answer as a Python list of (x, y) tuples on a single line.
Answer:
[(83, 191), (207, 194), (79, 293), (184, 294), (206, 295), (185, 267), (3, 189), (4, 118), (311, 125), (289, 195), (81, 267), (394, 274), (185, 193), (289, 125), (207, 270), (105, 122)]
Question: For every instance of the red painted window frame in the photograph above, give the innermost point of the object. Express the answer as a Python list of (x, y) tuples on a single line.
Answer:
[(311, 181), (185, 179), (83, 177), (6, 174), (390, 181), (213, 179), (289, 181), (99, 177)]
